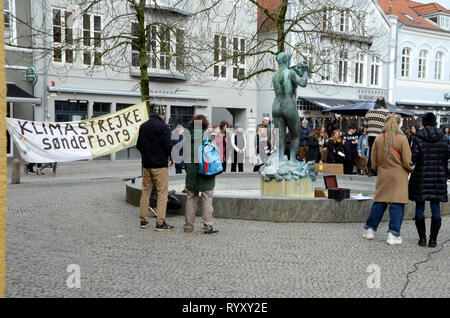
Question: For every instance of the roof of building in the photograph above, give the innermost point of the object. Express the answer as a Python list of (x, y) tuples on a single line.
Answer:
[(410, 12), (264, 23), (429, 8)]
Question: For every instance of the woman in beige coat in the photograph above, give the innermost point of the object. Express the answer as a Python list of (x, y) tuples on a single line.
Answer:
[(391, 159)]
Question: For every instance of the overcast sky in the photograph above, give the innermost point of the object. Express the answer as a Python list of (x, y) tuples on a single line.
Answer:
[(444, 3)]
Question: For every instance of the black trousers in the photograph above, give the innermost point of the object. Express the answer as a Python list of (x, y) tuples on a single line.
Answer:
[(239, 165), (239, 160), (349, 162)]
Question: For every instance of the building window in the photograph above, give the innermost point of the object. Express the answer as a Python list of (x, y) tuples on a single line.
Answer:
[(344, 23), (360, 23), (62, 36), (97, 40), (92, 39), (326, 19), (120, 106), (326, 65), (445, 23), (238, 58), (343, 67), (100, 109), (181, 115), (422, 71), (87, 58), (406, 62), (9, 21), (164, 56), (180, 36), (87, 38), (153, 47), (57, 35), (57, 54), (134, 48), (438, 63), (68, 35), (220, 55), (71, 110), (359, 69), (159, 48), (375, 71)]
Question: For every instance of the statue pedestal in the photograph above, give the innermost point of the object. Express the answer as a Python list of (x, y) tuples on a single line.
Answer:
[(273, 187), (306, 188), (301, 188)]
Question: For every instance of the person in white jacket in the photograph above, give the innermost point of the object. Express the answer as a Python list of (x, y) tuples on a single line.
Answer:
[(239, 144)]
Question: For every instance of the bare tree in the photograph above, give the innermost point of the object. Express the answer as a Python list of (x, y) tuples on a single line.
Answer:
[(317, 32), (199, 39), (119, 35)]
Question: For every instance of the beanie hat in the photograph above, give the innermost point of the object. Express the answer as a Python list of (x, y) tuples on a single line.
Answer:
[(429, 120), (304, 121), (238, 125), (159, 110)]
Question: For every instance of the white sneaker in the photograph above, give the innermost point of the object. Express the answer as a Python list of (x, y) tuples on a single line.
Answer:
[(393, 240), (369, 234)]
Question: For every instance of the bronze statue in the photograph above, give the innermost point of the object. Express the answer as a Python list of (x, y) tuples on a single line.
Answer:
[(284, 109)]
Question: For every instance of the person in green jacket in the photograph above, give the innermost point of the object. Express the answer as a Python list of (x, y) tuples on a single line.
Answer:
[(197, 184)]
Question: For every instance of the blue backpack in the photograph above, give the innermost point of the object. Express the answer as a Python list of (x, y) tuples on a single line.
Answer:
[(210, 163)]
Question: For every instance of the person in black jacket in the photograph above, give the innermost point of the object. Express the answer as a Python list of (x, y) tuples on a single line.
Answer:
[(155, 145), (428, 182), (314, 146), (350, 141), (412, 136), (335, 149)]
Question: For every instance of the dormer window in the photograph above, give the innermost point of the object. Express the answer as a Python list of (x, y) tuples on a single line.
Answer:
[(445, 22)]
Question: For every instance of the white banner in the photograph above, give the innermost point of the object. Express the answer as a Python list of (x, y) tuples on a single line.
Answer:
[(42, 142)]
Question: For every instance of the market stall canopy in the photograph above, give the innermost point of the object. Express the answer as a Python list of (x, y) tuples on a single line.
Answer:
[(360, 109), (328, 103)]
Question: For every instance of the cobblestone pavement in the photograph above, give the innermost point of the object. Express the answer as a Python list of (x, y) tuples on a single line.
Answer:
[(89, 170), (87, 222)]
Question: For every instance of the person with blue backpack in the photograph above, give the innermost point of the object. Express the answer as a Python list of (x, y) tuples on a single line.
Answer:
[(200, 175)]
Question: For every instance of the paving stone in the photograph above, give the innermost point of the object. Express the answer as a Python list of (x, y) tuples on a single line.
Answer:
[(88, 223)]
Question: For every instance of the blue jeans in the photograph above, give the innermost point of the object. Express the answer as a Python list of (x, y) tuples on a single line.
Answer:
[(396, 214), (435, 209)]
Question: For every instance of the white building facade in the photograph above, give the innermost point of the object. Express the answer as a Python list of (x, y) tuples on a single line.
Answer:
[(75, 82), (422, 57)]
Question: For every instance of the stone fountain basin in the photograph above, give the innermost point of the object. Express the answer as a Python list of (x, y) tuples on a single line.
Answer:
[(237, 196)]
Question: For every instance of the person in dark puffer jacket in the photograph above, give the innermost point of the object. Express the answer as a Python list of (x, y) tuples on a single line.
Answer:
[(428, 182)]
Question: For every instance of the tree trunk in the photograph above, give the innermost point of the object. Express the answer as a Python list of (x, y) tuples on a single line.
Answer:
[(281, 20), (142, 46)]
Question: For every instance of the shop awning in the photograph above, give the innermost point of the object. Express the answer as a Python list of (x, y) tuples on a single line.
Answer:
[(15, 94), (327, 103), (430, 106)]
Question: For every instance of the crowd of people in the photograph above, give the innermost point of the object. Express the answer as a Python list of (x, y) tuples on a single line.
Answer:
[(383, 148)]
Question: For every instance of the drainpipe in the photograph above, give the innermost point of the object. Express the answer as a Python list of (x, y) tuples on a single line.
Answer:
[(32, 57), (393, 38), (44, 28)]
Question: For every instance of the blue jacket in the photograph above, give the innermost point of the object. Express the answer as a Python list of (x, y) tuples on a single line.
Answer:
[(362, 148), (304, 136)]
